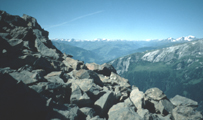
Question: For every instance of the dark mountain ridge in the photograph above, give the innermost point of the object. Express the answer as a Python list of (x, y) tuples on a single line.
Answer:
[(38, 82)]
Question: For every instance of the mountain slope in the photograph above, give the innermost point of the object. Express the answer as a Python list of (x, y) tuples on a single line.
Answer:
[(78, 53), (175, 70)]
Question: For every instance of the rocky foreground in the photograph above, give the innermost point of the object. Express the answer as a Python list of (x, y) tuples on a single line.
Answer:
[(38, 82)]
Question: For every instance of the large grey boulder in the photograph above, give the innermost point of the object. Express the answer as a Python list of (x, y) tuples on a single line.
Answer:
[(58, 76), (104, 69), (137, 97), (154, 94), (87, 74), (29, 77), (157, 102), (144, 114), (124, 113), (183, 101), (65, 112), (104, 103), (79, 97), (88, 86), (75, 64), (186, 113), (60, 93), (87, 111)]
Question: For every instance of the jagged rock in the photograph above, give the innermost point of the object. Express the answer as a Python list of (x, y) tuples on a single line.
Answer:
[(11, 20), (79, 97), (137, 97), (183, 101), (58, 76), (186, 113), (88, 86), (44, 50), (75, 64), (157, 102), (54, 79), (104, 103), (29, 77), (121, 81), (154, 94), (87, 74), (118, 112), (65, 112), (104, 69), (31, 22), (43, 63), (144, 114), (60, 93), (88, 112)]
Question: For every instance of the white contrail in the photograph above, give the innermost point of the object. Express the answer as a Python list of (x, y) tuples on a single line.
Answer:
[(77, 18), (85, 16)]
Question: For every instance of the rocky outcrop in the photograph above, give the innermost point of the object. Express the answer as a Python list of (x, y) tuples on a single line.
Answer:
[(39, 82)]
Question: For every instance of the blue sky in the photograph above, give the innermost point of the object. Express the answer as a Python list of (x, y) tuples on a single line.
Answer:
[(113, 19)]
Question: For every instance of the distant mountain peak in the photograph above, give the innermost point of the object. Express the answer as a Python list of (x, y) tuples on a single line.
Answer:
[(180, 39)]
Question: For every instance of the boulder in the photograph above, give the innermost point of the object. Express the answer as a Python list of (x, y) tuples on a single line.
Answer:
[(58, 76), (88, 86), (60, 93), (157, 102), (79, 97), (29, 77), (31, 22), (104, 69), (43, 63), (65, 112), (104, 103), (154, 94), (87, 74), (186, 113), (120, 81), (137, 97), (144, 114), (88, 112), (183, 101), (45, 51), (123, 113), (75, 64)]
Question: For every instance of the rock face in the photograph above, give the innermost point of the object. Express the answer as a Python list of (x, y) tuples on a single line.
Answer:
[(38, 82)]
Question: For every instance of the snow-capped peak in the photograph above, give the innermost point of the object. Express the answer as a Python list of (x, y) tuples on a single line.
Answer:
[(187, 38), (180, 39)]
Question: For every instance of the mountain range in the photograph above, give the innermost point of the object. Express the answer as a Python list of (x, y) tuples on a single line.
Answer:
[(107, 50)]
